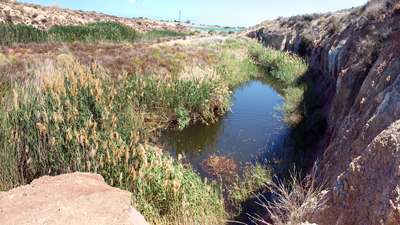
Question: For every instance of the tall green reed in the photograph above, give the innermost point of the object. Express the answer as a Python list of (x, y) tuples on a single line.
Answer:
[(109, 31)]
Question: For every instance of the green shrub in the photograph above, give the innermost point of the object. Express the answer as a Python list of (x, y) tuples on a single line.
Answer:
[(306, 45), (308, 17), (212, 32), (322, 21), (223, 32), (301, 25), (354, 12), (240, 192), (334, 26)]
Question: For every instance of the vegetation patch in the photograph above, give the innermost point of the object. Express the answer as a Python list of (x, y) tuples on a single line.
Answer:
[(81, 119), (91, 106), (240, 192), (306, 45), (334, 26), (66, 114), (299, 22), (157, 34), (108, 31)]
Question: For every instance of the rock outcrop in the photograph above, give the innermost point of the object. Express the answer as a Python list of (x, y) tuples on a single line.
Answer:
[(46, 17), (78, 198), (357, 59)]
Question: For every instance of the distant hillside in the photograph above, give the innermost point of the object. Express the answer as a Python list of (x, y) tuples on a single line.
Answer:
[(46, 17)]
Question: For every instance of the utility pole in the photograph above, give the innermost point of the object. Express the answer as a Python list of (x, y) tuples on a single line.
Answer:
[(179, 15)]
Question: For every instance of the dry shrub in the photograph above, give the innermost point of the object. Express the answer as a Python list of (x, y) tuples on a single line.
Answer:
[(374, 9), (334, 26), (295, 201), (56, 6), (368, 48), (396, 9)]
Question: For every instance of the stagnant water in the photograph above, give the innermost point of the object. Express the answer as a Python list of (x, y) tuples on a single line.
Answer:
[(250, 131)]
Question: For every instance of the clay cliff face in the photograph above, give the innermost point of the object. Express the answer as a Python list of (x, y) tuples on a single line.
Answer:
[(360, 63), (46, 17)]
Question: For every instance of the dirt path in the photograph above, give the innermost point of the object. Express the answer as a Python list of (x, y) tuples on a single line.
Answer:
[(189, 41)]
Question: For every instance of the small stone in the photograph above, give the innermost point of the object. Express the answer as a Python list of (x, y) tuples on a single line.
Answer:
[(379, 98)]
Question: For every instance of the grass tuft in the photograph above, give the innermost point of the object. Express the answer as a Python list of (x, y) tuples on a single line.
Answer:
[(295, 201)]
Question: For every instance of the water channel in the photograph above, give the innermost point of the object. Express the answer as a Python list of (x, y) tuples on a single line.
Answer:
[(252, 130)]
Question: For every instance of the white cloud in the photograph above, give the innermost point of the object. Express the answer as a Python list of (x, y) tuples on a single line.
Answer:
[(130, 1), (144, 5)]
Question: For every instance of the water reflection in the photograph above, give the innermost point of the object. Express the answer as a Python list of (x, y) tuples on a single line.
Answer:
[(250, 129)]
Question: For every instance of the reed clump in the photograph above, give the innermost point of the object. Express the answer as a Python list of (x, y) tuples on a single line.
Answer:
[(288, 71), (108, 31)]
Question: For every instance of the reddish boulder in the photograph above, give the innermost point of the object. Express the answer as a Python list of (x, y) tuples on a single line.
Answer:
[(78, 198)]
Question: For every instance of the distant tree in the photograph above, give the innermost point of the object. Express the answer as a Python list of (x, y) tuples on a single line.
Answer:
[(187, 21)]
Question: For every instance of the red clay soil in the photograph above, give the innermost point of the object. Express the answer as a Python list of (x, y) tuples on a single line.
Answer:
[(78, 198)]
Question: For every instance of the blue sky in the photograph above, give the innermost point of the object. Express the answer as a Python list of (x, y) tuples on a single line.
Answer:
[(210, 12)]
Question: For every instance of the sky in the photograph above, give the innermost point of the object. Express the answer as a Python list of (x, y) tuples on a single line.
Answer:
[(243, 13)]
